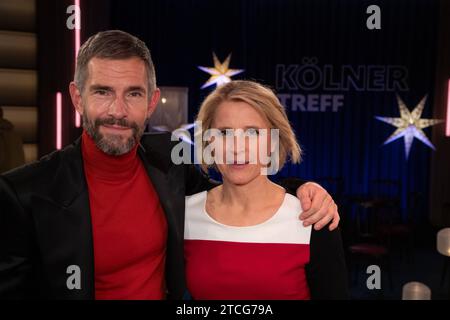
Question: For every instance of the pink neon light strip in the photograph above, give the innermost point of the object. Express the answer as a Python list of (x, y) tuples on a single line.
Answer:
[(58, 120), (77, 48), (447, 125)]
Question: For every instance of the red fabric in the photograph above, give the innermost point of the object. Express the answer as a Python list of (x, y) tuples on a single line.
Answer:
[(368, 248), (241, 271), (129, 226)]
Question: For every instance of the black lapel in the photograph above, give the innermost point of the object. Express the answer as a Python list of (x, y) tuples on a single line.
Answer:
[(64, 227), (168, 181), (158, 171)]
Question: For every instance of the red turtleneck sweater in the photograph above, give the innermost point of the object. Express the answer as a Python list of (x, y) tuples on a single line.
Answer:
[(129, 225)]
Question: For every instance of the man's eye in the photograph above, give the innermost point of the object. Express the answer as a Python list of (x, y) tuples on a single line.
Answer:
[(101, 92), (136, 94)]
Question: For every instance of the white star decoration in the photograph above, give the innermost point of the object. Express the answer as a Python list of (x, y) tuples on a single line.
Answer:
[(180, 133), (221, 73), (410, 125)]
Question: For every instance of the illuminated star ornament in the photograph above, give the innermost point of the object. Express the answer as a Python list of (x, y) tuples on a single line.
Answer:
[(180, 133), (221, 73), (410, 125)]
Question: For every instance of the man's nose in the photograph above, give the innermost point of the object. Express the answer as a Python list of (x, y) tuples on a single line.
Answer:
[(117, 109)]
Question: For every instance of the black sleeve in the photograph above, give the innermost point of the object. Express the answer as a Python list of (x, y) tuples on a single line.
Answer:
[(326, 272), (197, 180), (15, 249), (291, 185)]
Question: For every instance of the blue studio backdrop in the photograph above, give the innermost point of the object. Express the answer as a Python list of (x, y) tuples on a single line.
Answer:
[(331, 72)]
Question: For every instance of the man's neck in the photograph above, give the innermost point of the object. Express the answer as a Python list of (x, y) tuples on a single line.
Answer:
[(105, 166)]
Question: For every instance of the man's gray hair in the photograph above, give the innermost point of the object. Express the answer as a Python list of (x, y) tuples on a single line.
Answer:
[(113, 44)]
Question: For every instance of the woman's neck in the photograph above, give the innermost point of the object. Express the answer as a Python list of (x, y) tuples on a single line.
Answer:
[(255, 194), (245, 205)]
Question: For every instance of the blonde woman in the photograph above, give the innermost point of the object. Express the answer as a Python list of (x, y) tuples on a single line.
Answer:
[(243, 239)]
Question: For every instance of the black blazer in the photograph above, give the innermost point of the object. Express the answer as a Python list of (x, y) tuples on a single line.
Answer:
[(45, 223)]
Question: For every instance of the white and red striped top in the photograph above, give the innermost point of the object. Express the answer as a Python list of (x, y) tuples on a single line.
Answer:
[(264, 261)]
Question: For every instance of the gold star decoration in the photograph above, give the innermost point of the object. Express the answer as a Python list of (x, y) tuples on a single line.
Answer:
[(220, 73), (410, 125)]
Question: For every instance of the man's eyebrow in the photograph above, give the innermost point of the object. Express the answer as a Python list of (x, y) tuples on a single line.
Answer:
[(136, 88), (96, 87)]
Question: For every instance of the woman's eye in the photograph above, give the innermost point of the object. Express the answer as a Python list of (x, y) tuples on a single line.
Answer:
[(227, 132), (252, 132)]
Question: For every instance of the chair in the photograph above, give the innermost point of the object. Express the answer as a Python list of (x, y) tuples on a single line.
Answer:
[(398, 231), (369, 246)]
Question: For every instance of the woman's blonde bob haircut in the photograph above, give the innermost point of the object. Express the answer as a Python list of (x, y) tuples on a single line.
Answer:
[(264, 101)]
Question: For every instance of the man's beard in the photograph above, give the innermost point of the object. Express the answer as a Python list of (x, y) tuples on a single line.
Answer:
[(112, 144)]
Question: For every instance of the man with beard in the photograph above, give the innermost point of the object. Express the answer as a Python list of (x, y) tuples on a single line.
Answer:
[(104, 217)]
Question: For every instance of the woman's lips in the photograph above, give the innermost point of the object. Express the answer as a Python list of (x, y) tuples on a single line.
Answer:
[(238, 165)]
